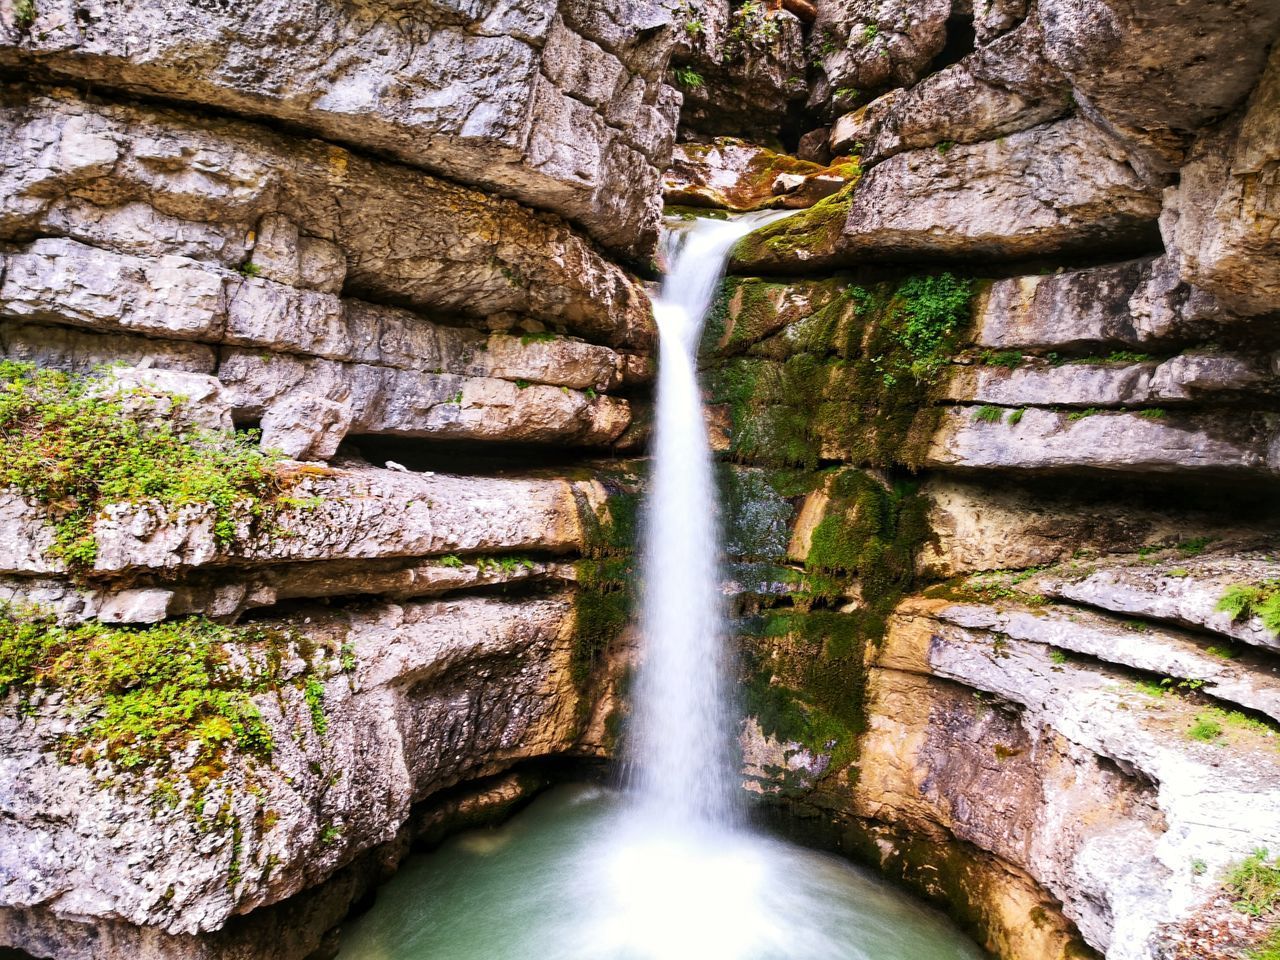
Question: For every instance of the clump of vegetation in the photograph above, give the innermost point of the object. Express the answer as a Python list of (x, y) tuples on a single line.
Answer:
[(1243, 601), (1255, 884), (754, 25), (988, 414), (137, 696), (24, 13), (688, 78), (70, 443), (1082, 414), (1009, 359), (853, 379), (1205, 728)]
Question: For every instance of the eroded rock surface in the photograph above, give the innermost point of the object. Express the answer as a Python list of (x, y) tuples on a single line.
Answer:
[(553, 103)]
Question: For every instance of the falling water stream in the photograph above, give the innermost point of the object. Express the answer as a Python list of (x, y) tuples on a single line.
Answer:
[(667, 869)]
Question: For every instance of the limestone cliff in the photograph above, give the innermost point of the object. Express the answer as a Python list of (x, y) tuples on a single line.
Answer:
[(324, 330), (1001, 439)]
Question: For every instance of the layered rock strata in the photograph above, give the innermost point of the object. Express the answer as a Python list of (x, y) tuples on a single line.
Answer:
[(241, 293), (1002, 441), (559, 105)]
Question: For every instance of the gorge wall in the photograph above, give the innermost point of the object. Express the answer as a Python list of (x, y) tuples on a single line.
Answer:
[(997, 413)]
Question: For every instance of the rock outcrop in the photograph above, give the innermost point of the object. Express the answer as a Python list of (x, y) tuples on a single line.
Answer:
[(999, 504), (559, 105)]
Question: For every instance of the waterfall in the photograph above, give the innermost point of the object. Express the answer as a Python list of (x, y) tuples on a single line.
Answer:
[(683, 724)]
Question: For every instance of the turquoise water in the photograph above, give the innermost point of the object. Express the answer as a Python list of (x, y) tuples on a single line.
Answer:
[(580, 876)]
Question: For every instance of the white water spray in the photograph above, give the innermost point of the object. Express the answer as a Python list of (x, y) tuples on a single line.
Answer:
[(667, 872), (683, 723)]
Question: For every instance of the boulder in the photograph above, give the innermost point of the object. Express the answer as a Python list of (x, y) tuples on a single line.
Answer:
[(734, 175), (870, 45), (302, 426), (997, 90), (1055, 189), (547, 102)]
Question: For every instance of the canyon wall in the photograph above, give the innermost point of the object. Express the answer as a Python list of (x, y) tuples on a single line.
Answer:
[(327, 353), (1000, 448), (322, 343)]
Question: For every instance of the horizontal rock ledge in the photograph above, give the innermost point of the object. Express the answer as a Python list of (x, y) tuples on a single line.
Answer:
[(1238, 444), (152, 182), (550, 103), (352, 513), (1060, 188), (1183, 379), (60, 281)]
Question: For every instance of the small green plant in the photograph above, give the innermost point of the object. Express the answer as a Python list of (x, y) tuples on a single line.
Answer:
[(451, 560), (1128, 356), (1082, 414), (523, 384), (314, 694), (250, 269), (541, 336), (1009, 359), (945, 146), (988, 414), (1242, 601), (1178, 573), (1058, 656), (847, 93), (24, 13), (1255, 884), (688, 78), (1152, 413), (1226, 653), (869, 32), (1205, 729), (591, 393), (1016, 417), (456, 399), (1194, 547), (331, 834), (1199, 867)]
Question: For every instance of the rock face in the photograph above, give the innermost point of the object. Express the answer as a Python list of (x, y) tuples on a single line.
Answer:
[(997, 409), (740, 67), (1220, 221), (556, 104), (1000, 503), (354, 236)]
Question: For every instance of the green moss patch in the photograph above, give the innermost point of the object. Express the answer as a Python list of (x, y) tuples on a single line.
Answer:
[(74, 449), (1243, 601), (138, 697), (852, 380), (605, 597), (809, 238)]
